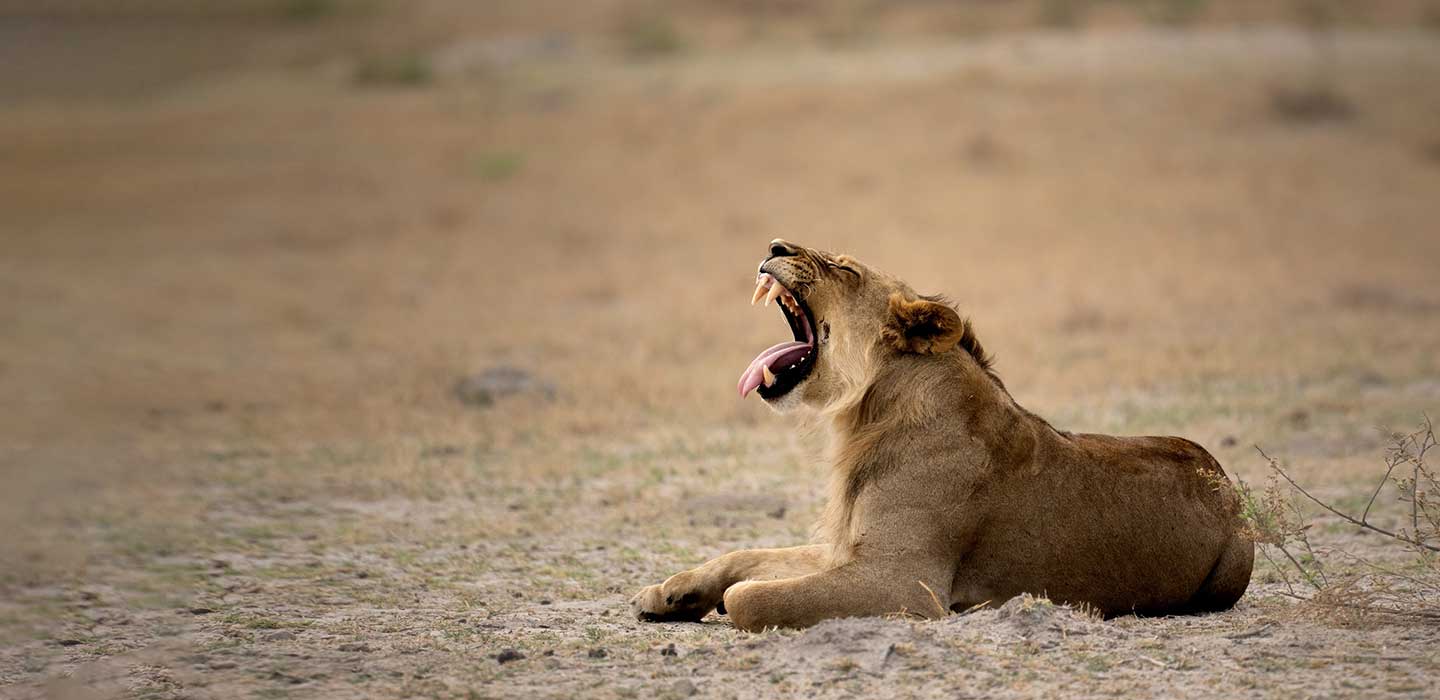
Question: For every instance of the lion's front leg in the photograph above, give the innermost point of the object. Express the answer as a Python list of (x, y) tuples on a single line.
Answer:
[(689, 595), (859, 588)]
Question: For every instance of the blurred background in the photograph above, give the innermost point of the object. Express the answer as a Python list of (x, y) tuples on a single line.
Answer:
[(266, 260)]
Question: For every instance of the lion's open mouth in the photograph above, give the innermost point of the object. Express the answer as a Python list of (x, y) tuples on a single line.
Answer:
[(782, 367)]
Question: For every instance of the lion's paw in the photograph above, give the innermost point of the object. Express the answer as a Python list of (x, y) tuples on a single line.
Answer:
[(679, 599)]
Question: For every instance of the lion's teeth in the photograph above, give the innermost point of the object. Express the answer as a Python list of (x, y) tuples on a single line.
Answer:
[(775, 290), (768, 375)]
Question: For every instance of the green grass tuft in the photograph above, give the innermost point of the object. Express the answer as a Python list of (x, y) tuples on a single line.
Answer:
[(308, 10), (408, 70), (498, 166), (650, 35)]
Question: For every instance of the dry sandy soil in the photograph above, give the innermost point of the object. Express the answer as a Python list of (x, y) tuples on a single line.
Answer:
[(235, 302)]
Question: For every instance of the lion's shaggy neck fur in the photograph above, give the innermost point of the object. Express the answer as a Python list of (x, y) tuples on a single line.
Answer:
[(971, 345), (941, 392), (969, 342)]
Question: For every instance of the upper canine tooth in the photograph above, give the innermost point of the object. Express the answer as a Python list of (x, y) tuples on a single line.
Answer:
[(775, 290), (759, 287), (768, 375)]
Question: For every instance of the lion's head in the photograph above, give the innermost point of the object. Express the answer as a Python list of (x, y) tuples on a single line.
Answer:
[(848, 319)]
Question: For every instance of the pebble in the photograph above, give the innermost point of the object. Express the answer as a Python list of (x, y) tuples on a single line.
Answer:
[(484, 389)]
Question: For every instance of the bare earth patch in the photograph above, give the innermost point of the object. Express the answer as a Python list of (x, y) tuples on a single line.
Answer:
[(251, 448)]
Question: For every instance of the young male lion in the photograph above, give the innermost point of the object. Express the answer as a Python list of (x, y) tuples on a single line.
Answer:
[(945, 493)]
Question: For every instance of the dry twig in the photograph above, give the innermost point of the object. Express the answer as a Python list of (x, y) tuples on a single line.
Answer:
[(1275, 465)]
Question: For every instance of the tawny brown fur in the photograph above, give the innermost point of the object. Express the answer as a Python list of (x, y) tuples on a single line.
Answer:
[(946, 494)]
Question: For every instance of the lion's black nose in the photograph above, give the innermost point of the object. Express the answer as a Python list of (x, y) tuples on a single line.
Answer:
[(781, 248)]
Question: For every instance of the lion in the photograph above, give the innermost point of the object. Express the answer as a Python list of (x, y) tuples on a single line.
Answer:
[(945, 494)]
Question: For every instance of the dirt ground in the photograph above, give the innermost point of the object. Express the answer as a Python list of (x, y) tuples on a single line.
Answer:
[(238, 299)]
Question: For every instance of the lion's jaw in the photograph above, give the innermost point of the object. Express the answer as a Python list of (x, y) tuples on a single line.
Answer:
[(778, 371), (835, 309)]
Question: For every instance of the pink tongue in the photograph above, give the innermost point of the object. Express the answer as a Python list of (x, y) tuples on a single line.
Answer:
[(781, 355)]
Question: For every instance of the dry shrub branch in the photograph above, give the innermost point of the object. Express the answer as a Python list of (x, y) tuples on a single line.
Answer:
[(1275, 517)]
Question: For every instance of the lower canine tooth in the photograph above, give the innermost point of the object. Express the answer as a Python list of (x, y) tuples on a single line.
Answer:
[(768, 375)]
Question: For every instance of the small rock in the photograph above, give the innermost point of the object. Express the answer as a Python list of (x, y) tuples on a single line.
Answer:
[(549, 652), (669, 650), (201, 611), (598, 653), (982, 148), (281, 636), (509, 655), (1371, 378), (684, 688), (483, 389), (221, 665), (778, 513), (69, 642), (436, 451), (545, 601), (1229, 441), (355, 646), (286, 678)]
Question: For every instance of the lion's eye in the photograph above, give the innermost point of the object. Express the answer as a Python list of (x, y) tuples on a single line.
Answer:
[(846, 268)]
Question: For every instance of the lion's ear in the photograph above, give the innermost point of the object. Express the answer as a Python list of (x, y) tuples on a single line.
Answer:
[(922, 326)]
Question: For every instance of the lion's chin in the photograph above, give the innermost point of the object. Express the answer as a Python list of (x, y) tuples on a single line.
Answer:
[(788, 402)]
